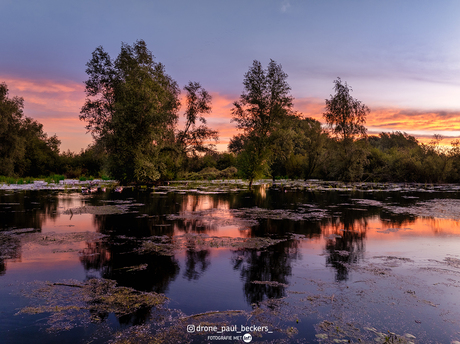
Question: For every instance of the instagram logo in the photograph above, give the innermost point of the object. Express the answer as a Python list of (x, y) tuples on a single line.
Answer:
[(190, 328)]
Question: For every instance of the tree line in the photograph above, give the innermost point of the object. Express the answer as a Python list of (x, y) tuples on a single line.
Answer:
[(132, 111)]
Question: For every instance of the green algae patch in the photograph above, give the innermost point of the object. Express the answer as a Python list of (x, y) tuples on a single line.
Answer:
[(435, 208), (162, 246), (95, 210), (271, 283), (53, 238), (73, 303)]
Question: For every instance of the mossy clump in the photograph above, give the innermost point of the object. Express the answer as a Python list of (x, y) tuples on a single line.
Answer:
[(74, 302), (95, 210)]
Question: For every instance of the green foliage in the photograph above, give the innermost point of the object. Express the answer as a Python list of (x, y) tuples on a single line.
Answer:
[(345, 117), (131, 108), (211, 173), (263, 104), (252, 162), (57, 177), (225, 160), (25, 149), (346, 162), (298, 148)]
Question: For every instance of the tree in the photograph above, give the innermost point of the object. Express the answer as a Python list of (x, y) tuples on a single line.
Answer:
[(25, 149), (192, 138), (41, 154), (345, 117), (344, 114), (131, 107), (260, 109), (12, 145), (298, 147)]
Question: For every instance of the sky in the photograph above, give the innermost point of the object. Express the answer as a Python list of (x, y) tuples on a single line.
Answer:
[(401, 58)]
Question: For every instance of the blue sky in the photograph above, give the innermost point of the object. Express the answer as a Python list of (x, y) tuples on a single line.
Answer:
[(402, 58)]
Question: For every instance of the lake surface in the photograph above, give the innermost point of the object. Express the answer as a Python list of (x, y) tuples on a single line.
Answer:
[(295, 262)]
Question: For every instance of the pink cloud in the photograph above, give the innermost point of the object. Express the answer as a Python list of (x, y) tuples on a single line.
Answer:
[(56, 105)]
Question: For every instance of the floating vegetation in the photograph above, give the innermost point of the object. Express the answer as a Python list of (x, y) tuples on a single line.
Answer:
[(394, 230), (281, 214), (9, 246), (52, 238), (436, 208), (452, 262), (73, 303), (96, 210), (214, 218), (134, 268), (53, 183), (12, 240), (165, 246), (158, 248), (390, 292), (391, 337), (271, 283), (247, 217)]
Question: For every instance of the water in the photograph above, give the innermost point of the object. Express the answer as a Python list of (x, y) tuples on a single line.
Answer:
[(304, 265)]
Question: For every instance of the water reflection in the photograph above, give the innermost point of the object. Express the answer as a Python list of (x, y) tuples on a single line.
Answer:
[(344, 246), (197, 263), (271, 265), (10, 249), (343, 234), (120, 260), (27, 209)]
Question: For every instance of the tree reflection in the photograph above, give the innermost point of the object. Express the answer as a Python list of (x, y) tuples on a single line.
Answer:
[(345, 245), (20, 210), (10, 248), (270, 265), (196, 264), (27, 209), (119, 256)]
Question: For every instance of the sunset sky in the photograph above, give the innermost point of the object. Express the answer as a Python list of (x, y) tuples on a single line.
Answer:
[(402, 58)]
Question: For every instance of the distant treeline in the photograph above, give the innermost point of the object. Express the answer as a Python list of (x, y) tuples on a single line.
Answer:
[(132, 109)]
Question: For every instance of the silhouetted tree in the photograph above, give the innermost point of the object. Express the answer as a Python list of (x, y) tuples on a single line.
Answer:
[(192, 138), (345, 117), (25, 149), (344, 114)]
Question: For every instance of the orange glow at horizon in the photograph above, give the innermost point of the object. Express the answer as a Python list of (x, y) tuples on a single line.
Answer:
[(57, 104)]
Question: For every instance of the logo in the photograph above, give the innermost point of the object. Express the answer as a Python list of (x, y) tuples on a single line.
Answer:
[(190, 328), (247, 338)]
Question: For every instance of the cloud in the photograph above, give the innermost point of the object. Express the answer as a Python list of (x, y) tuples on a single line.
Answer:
[(285, 5), (54, 104), (57, 106), (419, 123), (47, 98)]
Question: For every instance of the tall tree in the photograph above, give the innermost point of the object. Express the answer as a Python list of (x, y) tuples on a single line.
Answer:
[(131, 107), (344, 114), (264, 102), (193, 137), (345, 117)]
